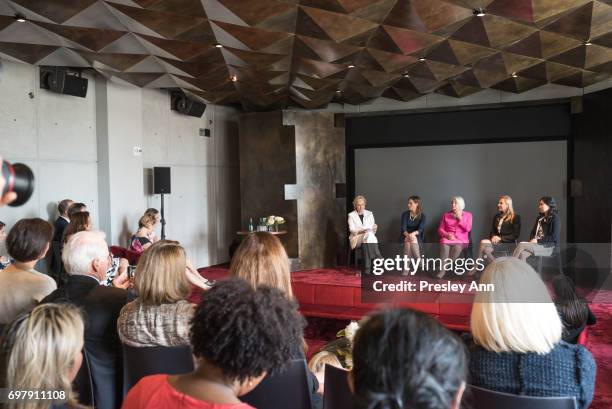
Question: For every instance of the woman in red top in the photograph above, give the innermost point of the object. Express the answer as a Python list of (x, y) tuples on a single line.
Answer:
[(238, 335)]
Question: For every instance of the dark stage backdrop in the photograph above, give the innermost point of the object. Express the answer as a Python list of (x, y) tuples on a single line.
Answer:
[(477, 172)]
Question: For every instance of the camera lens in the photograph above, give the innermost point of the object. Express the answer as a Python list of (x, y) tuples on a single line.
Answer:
[(19, 179)]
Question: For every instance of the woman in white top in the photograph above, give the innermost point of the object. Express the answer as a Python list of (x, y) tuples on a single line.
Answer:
[(362, 228)]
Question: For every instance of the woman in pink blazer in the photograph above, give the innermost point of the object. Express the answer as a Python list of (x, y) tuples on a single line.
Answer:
[(454, 230)]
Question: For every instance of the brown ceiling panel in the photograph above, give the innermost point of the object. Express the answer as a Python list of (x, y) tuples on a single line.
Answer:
[(57, 10), (518, 84), (93, 39), (338, 27), (254, 38), (410, 41), (29, 53), (457, 90), (300, 52), (257, 12), (182, 7), (329, 51)]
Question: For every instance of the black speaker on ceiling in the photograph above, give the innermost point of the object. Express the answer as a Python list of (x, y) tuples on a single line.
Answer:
[(185, 105), (62, 80), (161, 180)]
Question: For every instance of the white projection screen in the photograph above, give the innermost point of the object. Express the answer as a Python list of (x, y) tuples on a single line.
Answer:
[(480, 173)]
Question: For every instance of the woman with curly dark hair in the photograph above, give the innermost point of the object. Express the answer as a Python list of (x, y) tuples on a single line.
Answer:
[(238, 334), (405, 359)]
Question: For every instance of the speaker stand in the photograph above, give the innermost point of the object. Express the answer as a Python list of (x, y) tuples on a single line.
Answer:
[(163, 220)]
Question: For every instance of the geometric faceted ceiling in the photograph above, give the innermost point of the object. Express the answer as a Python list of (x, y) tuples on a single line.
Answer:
[(271, 54)]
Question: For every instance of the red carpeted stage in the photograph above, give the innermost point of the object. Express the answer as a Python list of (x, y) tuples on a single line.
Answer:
[(330, 298)]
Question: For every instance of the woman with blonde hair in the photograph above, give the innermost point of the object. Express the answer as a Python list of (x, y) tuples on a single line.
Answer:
[(517, 344), (261, 260), (505, 230), (160, 315), (41, 350), (141, 240)]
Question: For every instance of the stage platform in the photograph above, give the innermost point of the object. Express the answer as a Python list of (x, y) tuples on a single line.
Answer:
[(336, 293)]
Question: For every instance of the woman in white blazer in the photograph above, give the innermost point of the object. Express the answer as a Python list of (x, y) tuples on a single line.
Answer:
[(362, 228)]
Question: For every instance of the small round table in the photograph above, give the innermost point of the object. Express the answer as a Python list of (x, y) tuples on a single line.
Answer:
[(246, 232)]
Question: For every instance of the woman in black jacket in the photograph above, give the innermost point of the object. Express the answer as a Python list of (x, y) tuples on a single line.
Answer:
[(545, 235), (505, 229)]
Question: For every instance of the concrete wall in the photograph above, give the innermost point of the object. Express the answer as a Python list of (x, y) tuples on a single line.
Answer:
[(83, 148)]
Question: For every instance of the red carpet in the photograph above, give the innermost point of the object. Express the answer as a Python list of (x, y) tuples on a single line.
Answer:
[(330, 298)]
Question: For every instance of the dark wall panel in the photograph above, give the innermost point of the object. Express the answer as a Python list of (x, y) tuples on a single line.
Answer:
[(592, 146)]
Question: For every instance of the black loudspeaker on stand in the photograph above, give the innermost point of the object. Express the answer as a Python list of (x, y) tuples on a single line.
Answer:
[(161, 186)]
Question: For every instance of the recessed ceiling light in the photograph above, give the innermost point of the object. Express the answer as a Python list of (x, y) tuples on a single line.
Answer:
[(479, 12), (218, 45), (406, 75), (422, 59), (20, 18), (588, 42), (351, 66), (338, 91), (514, 75), (233, 78)]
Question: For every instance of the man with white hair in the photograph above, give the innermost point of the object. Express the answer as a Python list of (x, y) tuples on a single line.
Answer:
[(86, 258)]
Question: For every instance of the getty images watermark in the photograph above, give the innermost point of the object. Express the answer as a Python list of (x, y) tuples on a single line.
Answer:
[(436, 268)]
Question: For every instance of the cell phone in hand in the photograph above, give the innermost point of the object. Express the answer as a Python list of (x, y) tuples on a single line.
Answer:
[(130, 271)]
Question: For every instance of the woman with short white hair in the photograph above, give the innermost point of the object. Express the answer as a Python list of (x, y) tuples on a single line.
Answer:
[(517, 344), (362, 228), (454, 229)]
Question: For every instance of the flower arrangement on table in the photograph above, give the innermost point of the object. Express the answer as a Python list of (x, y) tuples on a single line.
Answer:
[(342, 347), (273, 222)]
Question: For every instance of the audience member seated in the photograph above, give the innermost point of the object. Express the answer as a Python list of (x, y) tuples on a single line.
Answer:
[(317, 366), (42, 351), (239, 334), (73, 210), (405, 359), (62, 220), (22, 286), (517, 345), (261, 260), (545, 235), (86, 258), (155, 213), (454, 229), (413, 228), (5, 260), (141, 240), (505, 231), (80, 221), (160, 316), (362, 229), (573, 310)]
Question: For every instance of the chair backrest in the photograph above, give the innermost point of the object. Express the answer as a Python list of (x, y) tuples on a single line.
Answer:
[(486, 399), (83, 384), (337, 394), (285, 390), (141, 362), (131, 256)]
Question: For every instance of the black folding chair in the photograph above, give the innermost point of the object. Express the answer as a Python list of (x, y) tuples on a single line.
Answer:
[(83, 384), (337, 394), (285, 390), (141, 362), (486, 399)]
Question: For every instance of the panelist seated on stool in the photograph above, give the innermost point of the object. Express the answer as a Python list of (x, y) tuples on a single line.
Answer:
[(362, 228)]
